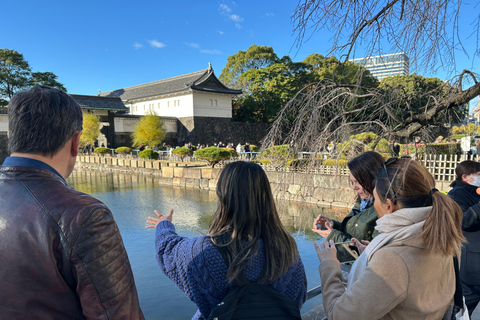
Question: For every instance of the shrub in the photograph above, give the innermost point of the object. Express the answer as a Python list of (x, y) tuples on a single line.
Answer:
[(444, 148), (233, 152), (101, 150), (254, 148), (148, 154), (182, 152), (282, 151), (333, 162), (212, 155), (123, 150)]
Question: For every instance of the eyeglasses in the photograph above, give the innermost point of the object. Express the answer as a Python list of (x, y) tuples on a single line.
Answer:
[(387, 163)]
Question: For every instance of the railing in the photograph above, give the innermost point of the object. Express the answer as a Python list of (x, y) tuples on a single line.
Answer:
[(441, 166)]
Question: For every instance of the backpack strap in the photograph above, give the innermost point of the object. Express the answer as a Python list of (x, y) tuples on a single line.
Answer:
[(458, 297), (241, 279)]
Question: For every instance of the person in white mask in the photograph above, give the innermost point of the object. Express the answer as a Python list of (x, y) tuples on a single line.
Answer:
[(466, 193)]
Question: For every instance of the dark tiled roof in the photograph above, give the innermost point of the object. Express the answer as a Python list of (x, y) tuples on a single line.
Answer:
[(203, 80), (3, 111), (99, 103)]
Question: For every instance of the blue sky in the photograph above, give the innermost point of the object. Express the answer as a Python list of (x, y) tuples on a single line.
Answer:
[(108, 45)]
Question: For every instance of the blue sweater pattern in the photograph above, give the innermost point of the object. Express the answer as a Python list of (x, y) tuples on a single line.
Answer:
[(198, 269)]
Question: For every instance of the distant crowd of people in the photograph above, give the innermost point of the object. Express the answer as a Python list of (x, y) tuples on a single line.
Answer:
[(63, 256)]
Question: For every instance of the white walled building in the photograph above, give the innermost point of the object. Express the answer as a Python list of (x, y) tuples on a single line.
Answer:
[(195, 99), (197, 94)]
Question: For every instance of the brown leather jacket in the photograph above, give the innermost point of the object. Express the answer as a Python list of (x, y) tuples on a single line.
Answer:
[(61, 253)]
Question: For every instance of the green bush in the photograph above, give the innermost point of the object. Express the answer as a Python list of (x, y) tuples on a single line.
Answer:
[(333, 162), (233, 152), (123, 150), (182, 152), (212, 155), (458, 136), (254, 148), (444, 148), (282, 151), (148, 154), (101, 150)]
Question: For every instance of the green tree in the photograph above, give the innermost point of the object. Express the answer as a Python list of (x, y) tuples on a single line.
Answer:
[(255, 57), (46, 79), (16, 75), (148, 131), (213, 155), (91, 129), (269, 82)]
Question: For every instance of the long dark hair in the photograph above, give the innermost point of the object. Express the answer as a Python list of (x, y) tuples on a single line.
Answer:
[(363, 168), (410, 184), (246, 213), (467, 167)]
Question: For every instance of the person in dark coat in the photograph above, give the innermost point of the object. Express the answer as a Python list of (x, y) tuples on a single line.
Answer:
[(466, 193)]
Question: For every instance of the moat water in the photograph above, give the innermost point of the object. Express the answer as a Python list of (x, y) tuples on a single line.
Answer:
[(133, 197)]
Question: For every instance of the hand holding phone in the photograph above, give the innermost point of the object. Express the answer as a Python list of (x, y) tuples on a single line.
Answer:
[(347, 252)]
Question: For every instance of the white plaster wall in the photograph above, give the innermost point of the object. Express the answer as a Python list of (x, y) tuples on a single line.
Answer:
[(212, 105), (3, 122), (173, 106)]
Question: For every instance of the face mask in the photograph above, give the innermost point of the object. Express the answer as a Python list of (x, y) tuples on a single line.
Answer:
[(476, 181)]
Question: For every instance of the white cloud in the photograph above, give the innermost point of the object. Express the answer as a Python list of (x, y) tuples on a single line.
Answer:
[(137, 45), (156, 44), (193, 45), (220, 32), (225, 10), (211, 51), (236, 18), (269, 14)]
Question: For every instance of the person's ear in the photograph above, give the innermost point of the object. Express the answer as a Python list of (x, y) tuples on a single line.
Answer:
[(391, 205), (75, 143)]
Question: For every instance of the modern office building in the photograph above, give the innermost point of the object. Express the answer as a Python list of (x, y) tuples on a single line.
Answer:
[(386, 65)]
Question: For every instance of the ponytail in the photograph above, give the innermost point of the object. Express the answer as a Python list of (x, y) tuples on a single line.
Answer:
[(442, 231)]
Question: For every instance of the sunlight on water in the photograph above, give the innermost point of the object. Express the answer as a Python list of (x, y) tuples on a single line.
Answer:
[(133, 197)]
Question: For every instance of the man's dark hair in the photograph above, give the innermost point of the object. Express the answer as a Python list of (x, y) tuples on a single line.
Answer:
[(42, 120)]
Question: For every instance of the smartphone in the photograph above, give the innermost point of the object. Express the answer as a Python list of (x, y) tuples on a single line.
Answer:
[(321, 227), (347, 252)]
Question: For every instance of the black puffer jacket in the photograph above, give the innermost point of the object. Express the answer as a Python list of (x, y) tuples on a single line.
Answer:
[(61, 253), (468, 199)]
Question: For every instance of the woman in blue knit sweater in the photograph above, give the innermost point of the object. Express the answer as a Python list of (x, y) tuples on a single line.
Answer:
[(247, 224)]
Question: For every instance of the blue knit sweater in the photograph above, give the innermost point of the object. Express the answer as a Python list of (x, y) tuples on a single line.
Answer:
[(198, 269)]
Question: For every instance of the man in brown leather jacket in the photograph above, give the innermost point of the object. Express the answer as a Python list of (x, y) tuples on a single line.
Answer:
[(61, 253)]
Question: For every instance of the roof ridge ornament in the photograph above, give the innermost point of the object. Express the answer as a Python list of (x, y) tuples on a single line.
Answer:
[(209, 66)]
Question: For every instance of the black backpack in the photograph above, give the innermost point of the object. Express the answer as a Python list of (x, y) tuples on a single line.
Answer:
[(252, 300)]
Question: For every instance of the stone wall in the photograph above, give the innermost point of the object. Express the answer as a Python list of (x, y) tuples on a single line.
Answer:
[(212, 130), (323, 190)]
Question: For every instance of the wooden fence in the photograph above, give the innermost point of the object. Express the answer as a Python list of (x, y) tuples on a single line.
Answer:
[(441, 166)]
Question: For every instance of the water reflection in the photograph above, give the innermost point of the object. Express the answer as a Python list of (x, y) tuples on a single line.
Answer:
[(133, 197)]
